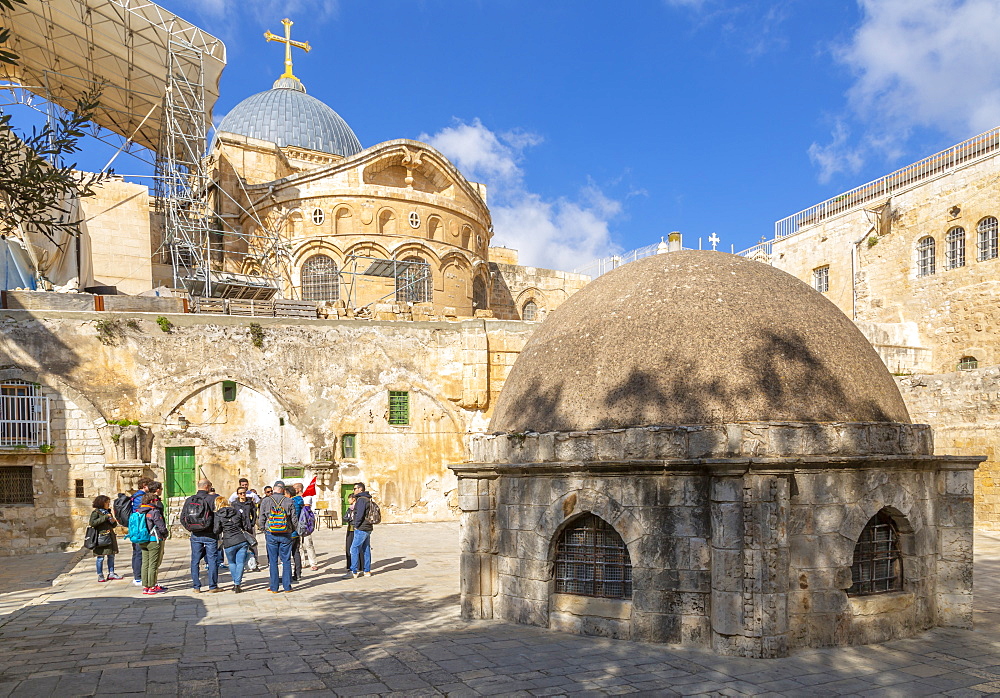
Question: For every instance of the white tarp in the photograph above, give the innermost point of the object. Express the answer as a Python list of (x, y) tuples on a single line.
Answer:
[(67, 46)]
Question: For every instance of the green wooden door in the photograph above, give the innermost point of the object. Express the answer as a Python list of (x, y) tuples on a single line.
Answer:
[(180, 471), (345, 492)]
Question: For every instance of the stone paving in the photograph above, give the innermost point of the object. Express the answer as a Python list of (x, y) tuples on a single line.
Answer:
[(398, 633)]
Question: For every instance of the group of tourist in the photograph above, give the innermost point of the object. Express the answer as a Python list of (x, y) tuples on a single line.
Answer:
[(284, 514)]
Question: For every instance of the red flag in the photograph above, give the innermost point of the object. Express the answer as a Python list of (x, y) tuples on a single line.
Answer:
[(310, 491)]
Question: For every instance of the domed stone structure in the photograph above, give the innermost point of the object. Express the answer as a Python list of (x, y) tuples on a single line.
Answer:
[(286, 116), (696, 338), (699, 449)]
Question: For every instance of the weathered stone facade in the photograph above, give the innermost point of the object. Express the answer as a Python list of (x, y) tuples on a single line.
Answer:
[(528, 293), (741, 537), (294, 397)]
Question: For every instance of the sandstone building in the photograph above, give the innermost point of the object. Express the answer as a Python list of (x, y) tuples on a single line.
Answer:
[(700, 449), (912, 257)]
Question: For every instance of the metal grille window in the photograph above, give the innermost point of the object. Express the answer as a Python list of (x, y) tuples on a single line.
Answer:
[(592, 560), (821, 279), (24, 415), (954, 250), (530, 311), (967, 363), (878, 564), (349, 446), (925, 256), (15, 485), (399, 407), (320, 279), (413, 281), (78, 489), (987, 242)]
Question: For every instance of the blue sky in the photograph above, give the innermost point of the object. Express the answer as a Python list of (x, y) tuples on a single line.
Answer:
[(601, 126)]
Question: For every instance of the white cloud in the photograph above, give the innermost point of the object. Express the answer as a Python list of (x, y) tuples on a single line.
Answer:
[(917, 64), (562, 233)]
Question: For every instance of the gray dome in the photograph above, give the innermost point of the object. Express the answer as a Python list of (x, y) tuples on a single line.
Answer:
[(695, 338), (286, 115)]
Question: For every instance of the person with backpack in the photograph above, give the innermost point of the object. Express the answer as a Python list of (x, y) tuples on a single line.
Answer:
[(349, 538), (148, 529), (135, 501), (197, 517), (102, 523), (307, 522), (248, 508), (366, 514), (277, 522), (230, 525)]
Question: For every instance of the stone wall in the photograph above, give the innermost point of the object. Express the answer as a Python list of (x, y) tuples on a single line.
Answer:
[(514, 286), (116, 231), (963, 407), (309, 383), (740, 537)]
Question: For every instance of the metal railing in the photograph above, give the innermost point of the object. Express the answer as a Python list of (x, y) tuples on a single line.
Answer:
[(965, 153), (606, 264), (24, 421)]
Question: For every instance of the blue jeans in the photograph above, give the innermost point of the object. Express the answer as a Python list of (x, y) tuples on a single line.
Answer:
[(361, 543), (237, 555), (279, 548), (136, 561), (207, 548)]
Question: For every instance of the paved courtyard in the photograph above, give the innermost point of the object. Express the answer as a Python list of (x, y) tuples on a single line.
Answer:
[(399, 633)]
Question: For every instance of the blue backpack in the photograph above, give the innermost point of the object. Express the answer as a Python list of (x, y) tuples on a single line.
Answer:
[(138, 531)]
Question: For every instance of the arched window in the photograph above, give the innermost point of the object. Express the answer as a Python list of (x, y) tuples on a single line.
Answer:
[(987, 242), (967, 363), (878, 564), (925, 256), (530, 311), (479, 300), (592, 560), (413, 281), (954, 249), (320, 279)]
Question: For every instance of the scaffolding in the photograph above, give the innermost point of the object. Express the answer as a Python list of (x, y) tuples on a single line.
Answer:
[(410, 279), (159, 78)]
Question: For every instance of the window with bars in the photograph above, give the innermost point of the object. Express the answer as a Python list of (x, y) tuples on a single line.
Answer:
[(78, 489), (925, 256), (349, 446), (878, 564), (530, 311), (413, 281), (320, 279), (986, 244), (24, 415), (967, 363), (954, 248), (592, 560), (821, 279), (399, 408), (16, 486)]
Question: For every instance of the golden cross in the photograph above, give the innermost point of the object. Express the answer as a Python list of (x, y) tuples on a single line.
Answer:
[(287, 41)]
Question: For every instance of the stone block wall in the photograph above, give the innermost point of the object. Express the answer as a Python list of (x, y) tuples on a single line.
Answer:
[(748, 555)]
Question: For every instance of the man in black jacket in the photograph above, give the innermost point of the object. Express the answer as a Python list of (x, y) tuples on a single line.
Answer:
[(205, 544), (361, 545)]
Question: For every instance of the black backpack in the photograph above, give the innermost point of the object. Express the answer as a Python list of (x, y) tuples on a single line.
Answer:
[(122, 509), (196, 515)]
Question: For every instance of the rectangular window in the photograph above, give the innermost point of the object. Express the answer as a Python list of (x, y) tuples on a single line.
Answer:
[(229, 391), (348, 446), (399, 407), (78, 486), (292, 471), (821, 279), (24, 415), (16, 486)]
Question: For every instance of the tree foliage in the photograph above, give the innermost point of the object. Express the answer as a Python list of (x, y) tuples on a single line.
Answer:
[(36, 188)]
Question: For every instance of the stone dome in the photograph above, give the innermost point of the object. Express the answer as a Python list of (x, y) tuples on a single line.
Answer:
[(695, 338), (286, 115)]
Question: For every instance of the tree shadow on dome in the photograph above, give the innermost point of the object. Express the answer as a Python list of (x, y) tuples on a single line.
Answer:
[(798, 384)]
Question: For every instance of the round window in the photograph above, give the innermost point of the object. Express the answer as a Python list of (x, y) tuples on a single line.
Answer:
[(318, 216), (414, 219)]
